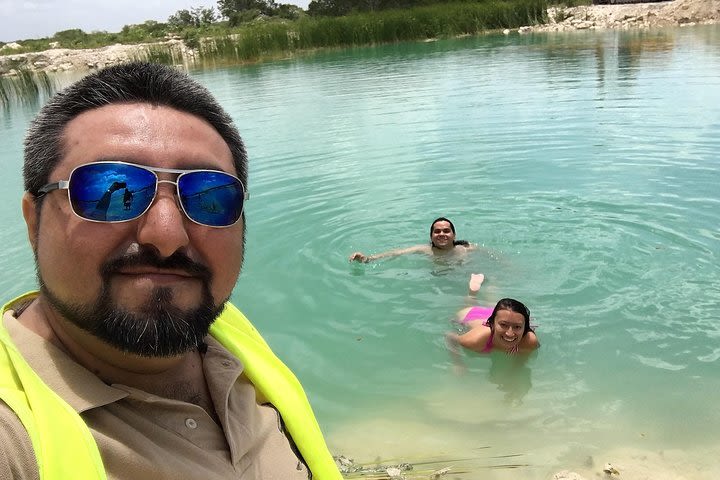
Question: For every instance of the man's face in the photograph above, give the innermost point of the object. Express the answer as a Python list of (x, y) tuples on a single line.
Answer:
[(442, 235), (155, 273)]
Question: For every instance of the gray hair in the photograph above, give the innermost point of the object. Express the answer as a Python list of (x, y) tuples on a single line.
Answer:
[(135, 82)]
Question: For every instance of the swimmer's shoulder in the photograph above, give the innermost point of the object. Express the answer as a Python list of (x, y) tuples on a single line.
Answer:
[(476, 338), (530, 342)]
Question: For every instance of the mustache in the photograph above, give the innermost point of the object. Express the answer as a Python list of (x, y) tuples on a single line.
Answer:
[(149, 258)]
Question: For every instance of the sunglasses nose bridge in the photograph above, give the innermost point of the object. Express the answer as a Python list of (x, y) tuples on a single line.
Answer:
[(159, 181), (173, 189)]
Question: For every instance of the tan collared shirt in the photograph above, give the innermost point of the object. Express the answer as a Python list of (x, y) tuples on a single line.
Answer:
[(143, 436)]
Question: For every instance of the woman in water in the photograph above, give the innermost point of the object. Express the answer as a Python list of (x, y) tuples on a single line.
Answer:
[(506, 327), (442, 242)]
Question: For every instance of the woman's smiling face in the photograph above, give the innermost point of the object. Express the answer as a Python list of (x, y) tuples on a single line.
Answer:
[(508, 328)]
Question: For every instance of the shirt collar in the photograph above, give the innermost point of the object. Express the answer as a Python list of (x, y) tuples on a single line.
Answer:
[(75, 384)]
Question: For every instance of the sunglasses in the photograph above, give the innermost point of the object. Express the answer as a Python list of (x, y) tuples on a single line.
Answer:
[(119, 192)]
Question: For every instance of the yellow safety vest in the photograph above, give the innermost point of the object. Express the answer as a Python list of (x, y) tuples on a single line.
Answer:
[(65, 448)]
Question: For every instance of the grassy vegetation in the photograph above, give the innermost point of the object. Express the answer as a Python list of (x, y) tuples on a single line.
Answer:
[(274, 35), (572, 3), (168, 54), (25, 87), (451, 19)]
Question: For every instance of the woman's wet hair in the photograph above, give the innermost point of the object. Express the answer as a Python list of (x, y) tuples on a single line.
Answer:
[(514, 306), (464, 243)]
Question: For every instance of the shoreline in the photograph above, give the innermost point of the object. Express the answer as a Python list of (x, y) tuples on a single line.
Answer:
[(671, 13)]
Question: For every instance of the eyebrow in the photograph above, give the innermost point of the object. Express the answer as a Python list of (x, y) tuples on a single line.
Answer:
[(196, 165)]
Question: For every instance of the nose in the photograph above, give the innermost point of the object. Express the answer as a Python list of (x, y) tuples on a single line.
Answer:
[(163, 225)]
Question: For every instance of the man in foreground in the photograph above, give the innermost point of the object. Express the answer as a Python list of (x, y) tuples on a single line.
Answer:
[(130, 362)]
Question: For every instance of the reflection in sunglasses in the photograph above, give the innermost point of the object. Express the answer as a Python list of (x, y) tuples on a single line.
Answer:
[(207, 197)]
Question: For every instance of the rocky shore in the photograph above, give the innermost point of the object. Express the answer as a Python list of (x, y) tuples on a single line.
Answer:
[(64, 59), (643, 15)]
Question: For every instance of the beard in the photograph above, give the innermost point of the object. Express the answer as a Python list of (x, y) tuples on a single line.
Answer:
[(158, 328)]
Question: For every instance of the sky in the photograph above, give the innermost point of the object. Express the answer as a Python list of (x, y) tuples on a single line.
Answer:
[(20, 20)]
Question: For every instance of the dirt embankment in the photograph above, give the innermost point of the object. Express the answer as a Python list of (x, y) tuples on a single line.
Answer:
[(643, 15), (64, 59), (640, 15)]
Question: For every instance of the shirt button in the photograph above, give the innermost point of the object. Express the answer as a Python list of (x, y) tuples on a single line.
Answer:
[(190, 423)]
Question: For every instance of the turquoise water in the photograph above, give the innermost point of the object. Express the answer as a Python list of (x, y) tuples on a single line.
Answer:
[(585, 165)]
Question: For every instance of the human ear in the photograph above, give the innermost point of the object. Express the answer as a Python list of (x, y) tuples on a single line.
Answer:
[(32, 217)]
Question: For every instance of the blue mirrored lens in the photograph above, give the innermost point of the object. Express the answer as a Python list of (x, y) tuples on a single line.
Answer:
[(211, 198), (111, 192)]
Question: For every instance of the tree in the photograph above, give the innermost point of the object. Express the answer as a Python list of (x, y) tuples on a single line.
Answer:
[(231, 8), (195, 17), (70, 38), (331, 8), (141, 32), (204, 16), (181, 19), (289, 11)]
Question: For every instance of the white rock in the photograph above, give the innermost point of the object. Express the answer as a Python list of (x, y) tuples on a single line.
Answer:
[(565, 475), (393, 472)]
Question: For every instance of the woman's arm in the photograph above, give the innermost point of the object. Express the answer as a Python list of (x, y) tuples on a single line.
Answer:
[(475, 339), (451, 340)]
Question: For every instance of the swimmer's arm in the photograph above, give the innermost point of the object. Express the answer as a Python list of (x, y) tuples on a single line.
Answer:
[(475, 340), (361, 257), (451, 340)]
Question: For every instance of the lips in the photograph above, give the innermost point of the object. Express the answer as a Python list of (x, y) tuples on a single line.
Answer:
[(158, 277), (148, 277), (151, 272), (146, 262)]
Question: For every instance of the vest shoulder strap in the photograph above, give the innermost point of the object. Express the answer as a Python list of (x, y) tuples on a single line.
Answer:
[(275, 382), (64, 446)]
